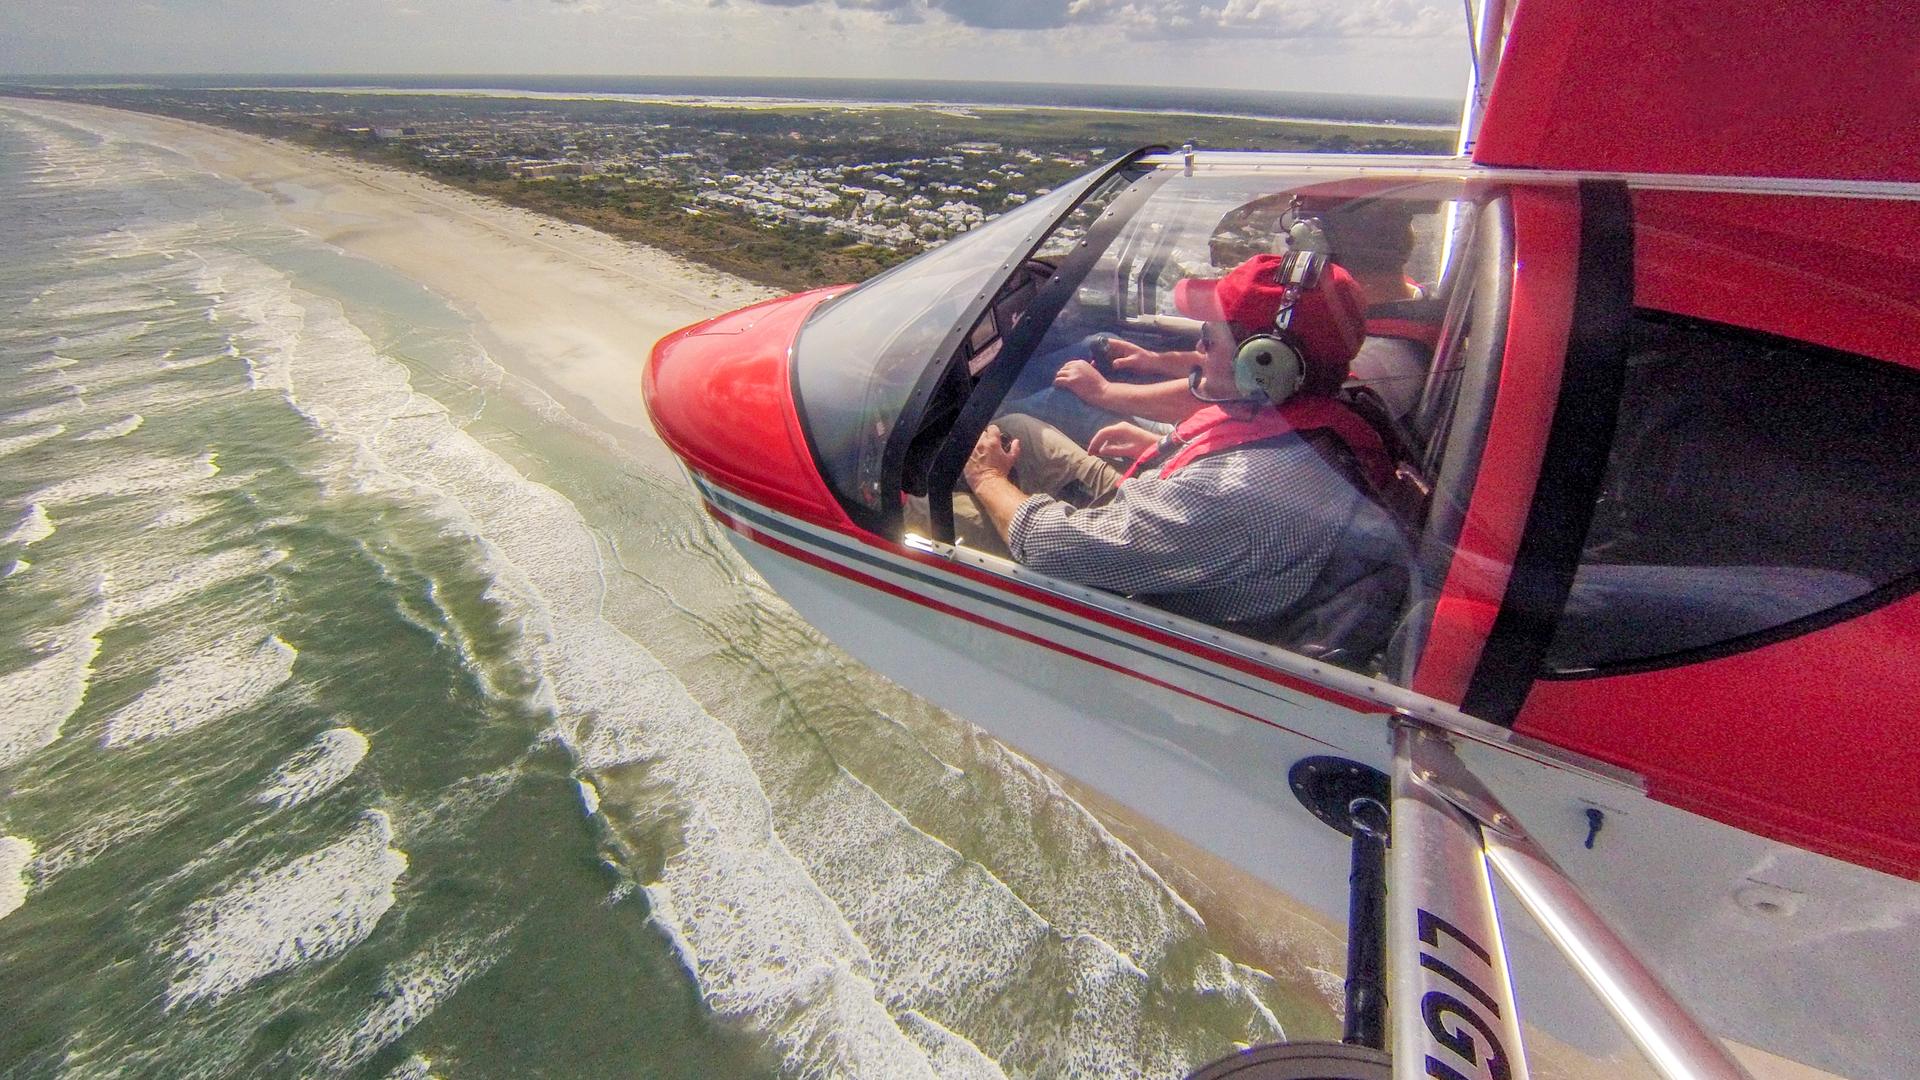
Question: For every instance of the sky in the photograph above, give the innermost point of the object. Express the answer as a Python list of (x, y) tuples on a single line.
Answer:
[(1396, 47)]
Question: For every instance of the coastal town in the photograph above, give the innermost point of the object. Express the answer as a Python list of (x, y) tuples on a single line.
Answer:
[(791, 195), (899, 204)]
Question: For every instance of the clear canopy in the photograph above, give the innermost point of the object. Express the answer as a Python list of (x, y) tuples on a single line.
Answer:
[(858, 358)]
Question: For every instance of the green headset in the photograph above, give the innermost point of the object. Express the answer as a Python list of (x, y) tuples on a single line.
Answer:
[(1272, 364)]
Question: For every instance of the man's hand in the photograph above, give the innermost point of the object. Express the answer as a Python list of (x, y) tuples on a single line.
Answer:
[(990, 459), (1131, 359), (1083, 380), (1122, 440)]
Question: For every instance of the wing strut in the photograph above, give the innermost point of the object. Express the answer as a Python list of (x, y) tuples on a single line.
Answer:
[(1445, 1008)]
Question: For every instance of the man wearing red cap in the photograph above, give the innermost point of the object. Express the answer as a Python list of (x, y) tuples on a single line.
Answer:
[(1104, 378), (1234, 517)]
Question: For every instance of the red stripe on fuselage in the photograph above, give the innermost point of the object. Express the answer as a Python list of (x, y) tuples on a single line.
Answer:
[(794, 552), (999, 583)]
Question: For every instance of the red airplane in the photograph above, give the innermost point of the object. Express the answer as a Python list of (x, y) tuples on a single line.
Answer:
[(1649, 646)]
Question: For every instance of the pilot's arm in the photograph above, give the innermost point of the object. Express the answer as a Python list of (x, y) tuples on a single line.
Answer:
[(1169, 401), (986, 472), (1154, 536)]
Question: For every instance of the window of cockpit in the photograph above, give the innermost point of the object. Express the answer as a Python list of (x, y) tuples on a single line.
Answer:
[(858, 358), (1757, 487), (1392, 236)]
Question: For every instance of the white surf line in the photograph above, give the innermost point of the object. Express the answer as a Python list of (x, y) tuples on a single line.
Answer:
[(37, 701), (163, 578), (55, 410), (230, 676), (309, 909), (953, 935), (417, 1067), (410, 990), (316, 768), (126, 426), (13, 444), (34, 527), (145, 475), (764, 945), (15, 854), (54, 362)]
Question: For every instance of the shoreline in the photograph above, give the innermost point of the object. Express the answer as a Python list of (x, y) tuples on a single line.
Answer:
[(720, 101), (517, 275), (573, 311)]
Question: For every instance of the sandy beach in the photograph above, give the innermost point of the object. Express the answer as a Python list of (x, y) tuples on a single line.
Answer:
[(576, 312), (572, 310)]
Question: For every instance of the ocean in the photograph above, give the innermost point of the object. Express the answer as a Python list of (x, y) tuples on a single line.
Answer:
[(364, 714), (1182, 100)]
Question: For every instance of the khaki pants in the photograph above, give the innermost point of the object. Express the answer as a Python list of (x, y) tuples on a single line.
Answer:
[(1050, 463)]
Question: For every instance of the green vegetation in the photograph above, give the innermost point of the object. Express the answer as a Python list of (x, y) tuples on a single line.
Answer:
[(791, 196)]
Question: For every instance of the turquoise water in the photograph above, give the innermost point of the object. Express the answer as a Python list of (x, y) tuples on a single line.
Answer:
[(362, 714)]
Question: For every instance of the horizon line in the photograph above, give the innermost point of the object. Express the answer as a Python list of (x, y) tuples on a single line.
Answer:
[(20, 77)]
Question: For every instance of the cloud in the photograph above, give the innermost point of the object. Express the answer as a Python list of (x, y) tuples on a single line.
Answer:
[(1228, 19), (1272, 18), (1007, 14)]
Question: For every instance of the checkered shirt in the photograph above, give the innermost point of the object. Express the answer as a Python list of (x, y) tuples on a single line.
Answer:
[(1237, 536)]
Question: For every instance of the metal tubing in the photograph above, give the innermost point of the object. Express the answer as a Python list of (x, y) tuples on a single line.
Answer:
[(1489, 38), (1453, 1012), (1366, 1022), (1672, 1040)]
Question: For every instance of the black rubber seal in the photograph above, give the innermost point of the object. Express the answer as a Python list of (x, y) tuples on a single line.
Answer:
[(1020, 343), (1578, 443)]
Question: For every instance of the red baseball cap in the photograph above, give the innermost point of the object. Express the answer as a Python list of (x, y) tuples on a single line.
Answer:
[(1330, 319)]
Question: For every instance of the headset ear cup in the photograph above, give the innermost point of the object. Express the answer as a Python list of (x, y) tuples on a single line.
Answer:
[(1271, 365)]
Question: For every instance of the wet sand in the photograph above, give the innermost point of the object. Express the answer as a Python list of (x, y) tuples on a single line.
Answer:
[(572, 310)]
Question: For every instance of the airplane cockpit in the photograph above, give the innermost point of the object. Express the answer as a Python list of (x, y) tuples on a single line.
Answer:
[(896, 380), (1639, 546)]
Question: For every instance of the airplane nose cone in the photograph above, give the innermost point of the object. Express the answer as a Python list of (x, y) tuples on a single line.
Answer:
[(720, 394)]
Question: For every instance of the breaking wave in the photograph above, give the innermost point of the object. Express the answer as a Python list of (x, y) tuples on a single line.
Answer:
[(34, 527), (37, 700), (114, 430), (13, 444), (15, 854), (317, 769), (233, 675), (312, 908)]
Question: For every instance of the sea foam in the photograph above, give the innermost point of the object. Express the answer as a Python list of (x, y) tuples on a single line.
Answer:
[(230, 676), (316, 769), (414, 1068), (13, 444), (310, 909), (55, 410), (763, 943), (34, 527), (115, 430), (155, 582), (37, 700), (15, 854), (138, 476), (412, 989)]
